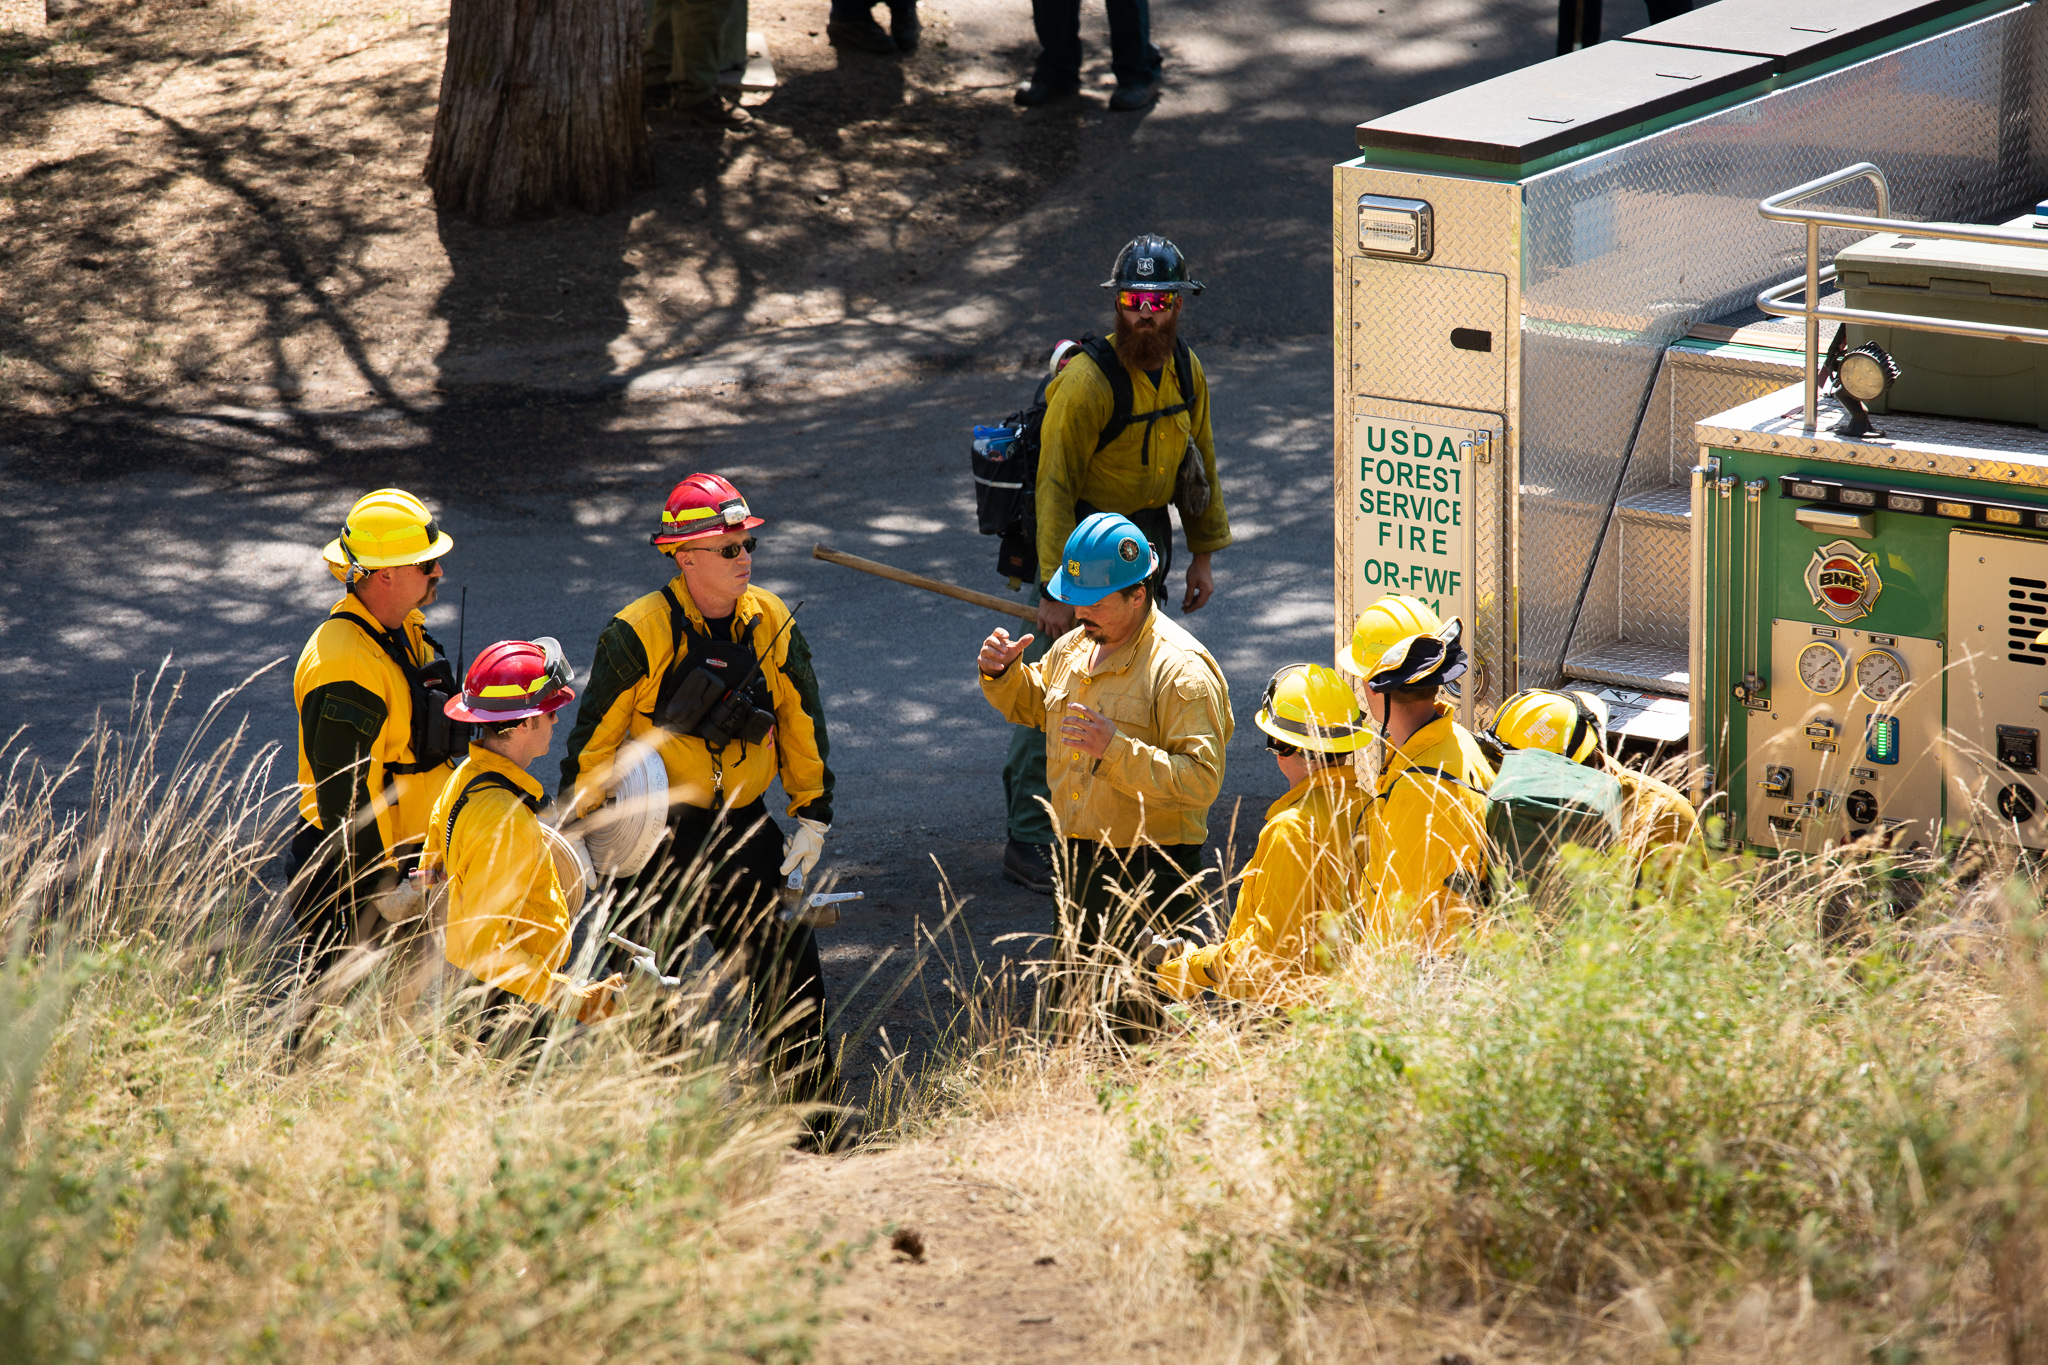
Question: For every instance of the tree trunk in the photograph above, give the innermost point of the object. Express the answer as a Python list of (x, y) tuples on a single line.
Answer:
[(540, 109)]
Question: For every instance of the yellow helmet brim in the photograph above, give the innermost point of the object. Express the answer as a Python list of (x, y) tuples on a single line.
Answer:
[(338, 557), (1320, 741)]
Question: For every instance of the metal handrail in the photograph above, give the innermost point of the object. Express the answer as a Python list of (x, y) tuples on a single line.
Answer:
[(1778, 208)]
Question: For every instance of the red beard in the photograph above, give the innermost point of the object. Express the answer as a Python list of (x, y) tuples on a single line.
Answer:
[(1146, 342)]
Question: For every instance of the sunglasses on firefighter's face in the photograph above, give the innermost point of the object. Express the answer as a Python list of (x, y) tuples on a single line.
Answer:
[(734, 550), (1280, 747), (1147, 302)]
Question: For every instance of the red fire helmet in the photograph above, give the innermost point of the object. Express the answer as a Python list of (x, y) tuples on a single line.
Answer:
[(703, 505), (514, 679)]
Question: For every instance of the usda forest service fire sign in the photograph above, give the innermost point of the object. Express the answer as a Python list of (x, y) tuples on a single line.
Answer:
[(1843, 581)]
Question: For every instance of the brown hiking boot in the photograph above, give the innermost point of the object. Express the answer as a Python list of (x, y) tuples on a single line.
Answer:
[(715, 113)]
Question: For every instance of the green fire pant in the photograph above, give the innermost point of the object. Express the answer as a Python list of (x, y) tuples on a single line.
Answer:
[(1025, 791), (690, 41)]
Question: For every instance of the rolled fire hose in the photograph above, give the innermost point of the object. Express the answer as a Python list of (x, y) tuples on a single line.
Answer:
[(621, 835)]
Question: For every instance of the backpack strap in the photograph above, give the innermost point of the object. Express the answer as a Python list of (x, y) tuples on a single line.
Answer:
[(1439, 774), (415, 682), (1120, 416), (471, 788)]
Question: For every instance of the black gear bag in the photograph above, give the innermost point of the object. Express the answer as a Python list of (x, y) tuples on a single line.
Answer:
[(1005, 456)]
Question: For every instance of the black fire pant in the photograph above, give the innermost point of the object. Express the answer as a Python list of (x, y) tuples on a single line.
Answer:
[(1116, 892), (720, 876)]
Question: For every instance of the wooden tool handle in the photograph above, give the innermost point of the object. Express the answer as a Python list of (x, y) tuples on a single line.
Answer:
[(918, 580)]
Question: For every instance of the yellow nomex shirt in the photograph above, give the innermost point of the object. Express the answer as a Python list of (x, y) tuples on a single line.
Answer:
[(1162, 770), (1654, 815), (508, 925), (351, 698), (1426, 836), (1138, 469), (1295, 900)]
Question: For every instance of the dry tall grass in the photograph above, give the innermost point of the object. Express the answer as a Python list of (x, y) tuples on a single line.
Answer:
[(1761, 1111), (173, 1186)]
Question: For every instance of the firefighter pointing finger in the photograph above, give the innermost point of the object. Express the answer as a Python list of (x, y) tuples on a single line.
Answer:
[(375, 747), (715, 673)]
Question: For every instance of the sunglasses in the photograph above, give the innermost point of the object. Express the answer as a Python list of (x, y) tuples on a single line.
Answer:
[(1281, 748), (1147, 302), (732, 551)]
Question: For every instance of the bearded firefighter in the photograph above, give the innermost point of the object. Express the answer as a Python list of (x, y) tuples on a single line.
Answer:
[(1127, 431), (715, 673), (375, 746)]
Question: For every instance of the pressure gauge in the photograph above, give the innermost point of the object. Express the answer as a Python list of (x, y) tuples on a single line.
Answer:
[(1880, 674), (1822, 667)]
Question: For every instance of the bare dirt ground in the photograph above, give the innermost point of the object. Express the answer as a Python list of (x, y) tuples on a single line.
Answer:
[(220, 200)]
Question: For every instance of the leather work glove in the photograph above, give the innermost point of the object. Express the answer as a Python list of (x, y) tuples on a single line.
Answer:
[(602, 999), (1152, 950), (802, 847)]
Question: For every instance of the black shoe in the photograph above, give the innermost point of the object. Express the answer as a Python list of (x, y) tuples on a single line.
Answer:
[(1028, 865), (1045, 92), (904, 29), (861, 35), (1130, 97), (716, 113)]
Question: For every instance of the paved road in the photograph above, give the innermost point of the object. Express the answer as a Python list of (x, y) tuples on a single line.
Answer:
[(126, 536)]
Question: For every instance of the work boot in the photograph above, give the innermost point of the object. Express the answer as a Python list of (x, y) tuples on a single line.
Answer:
[(1045, 92), (1028, 865), (904, 29), (861, 35), (716, 113), (1142, 95)]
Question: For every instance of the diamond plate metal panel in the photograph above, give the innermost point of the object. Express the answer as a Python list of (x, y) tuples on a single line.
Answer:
[(1645, 667), (1478, 228), (1625, 250), (1655, 574), (1936, 445), (1412, 313)]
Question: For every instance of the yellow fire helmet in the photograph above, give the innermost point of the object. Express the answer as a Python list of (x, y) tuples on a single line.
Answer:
[(385, 529), (1568, 723), (1380, 626), (1310, 707)]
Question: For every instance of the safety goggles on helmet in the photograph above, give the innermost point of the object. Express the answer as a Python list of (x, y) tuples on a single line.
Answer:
[(1147, 301), (1422, 660), (732, 551)]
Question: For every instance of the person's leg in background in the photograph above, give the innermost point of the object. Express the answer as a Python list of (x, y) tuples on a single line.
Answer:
[(699, 27), (1578, 25), (732, 48), (1133, 59), (851, 25), (1058, 73), (1027, 853)]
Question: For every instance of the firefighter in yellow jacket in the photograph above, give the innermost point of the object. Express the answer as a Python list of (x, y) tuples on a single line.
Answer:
[(1655, 816), (718, 671), (1427, 868), (508, 921), (1296, 899), (375, 747)]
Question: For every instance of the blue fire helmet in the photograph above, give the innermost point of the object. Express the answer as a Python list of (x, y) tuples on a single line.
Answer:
[(1107, 553)]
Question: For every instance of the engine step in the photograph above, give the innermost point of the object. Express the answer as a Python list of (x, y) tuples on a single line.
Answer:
[(1638, 667)]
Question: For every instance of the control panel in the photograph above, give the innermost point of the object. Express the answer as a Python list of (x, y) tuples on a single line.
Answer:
[(1997, 687), (1848, 744)]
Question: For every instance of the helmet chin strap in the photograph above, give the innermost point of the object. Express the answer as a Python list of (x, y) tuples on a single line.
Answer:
[(356, 571)]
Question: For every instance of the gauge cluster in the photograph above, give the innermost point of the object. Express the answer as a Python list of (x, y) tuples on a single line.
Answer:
[(1846, 748)]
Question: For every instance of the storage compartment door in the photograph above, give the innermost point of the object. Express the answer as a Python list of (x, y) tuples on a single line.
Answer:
[(1997, 687)]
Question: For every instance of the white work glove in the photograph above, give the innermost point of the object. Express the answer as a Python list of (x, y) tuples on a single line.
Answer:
[(802, 848), (648, 972), (1153, 950)]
